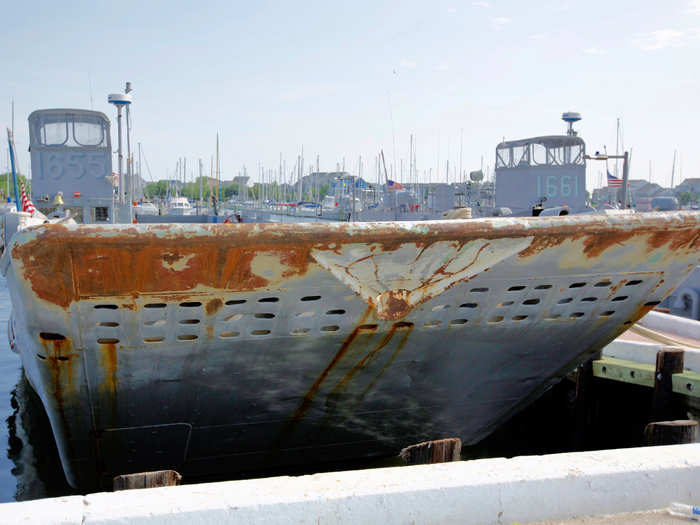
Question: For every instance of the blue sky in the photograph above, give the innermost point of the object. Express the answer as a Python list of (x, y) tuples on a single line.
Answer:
[(345, 80)]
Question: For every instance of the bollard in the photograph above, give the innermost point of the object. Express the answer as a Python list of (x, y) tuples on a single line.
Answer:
[(671, 432), (583, 404), (146, 480), (439, 451), (669, 361)]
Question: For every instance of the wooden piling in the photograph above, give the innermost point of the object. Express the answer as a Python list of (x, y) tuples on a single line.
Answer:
[(438, 451), (671, 432), (584, 404), (146, 480), (669, 361)]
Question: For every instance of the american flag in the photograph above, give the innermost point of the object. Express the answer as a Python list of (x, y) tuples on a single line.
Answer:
[(613, 181), (391, 185), (26, 203)]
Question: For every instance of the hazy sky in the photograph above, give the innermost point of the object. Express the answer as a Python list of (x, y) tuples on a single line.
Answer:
[(348, 79)]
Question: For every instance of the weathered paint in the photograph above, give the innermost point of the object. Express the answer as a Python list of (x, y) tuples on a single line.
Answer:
[(395, 281), (270, 337), (393, 267)]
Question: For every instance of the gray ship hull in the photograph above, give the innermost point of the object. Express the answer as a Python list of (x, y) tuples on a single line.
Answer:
[(238, 347)]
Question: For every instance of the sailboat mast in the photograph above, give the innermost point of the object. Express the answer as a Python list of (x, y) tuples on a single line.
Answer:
[(673, 168), (617, 143), (200, 182), (386, 177), (318, 183), (461, 142), (140, 178), (218, 171)]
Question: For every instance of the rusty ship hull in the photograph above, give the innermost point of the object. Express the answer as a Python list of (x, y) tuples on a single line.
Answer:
[(241, 346)]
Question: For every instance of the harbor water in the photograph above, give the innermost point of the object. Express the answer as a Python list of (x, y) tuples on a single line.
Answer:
[(29, 467)]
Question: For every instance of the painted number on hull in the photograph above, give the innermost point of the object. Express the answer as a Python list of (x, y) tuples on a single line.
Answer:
[(557, 186)]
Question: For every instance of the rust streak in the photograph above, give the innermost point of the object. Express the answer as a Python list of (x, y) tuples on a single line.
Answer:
[(395, 304), (541, 243), (308, 398), (367, 359), (686, 239), (595, 245), (60, 360), (408, 327), (109, 362), (214, 306)]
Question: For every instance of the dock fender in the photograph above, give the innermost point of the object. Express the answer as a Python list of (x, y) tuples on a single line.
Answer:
[(5, 261), (687, 300), (11, 334)]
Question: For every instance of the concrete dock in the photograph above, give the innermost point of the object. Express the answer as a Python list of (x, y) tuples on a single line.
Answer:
[(518, 490)]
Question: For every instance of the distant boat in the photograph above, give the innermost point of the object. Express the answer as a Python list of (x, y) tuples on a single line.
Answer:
[(145, 208), (179, 206)]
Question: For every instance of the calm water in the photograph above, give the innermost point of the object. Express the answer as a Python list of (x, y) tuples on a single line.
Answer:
[(29, 468), (10, 372)]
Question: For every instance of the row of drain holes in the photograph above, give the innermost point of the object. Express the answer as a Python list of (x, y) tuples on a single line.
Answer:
[(330, 328), (309, 298), (367, 327), (235, 317), (224, 335), (196, 304)]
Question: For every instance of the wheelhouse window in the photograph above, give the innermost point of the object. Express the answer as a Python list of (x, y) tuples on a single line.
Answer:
[(54, 133), (88, 132), (539, 154), (544, 151), (75, 131)]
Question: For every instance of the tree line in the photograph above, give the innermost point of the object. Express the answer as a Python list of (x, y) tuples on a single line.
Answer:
[(190, 190)]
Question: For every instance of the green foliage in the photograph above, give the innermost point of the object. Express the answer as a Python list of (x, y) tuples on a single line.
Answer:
[(155, 189), (687, 197), (191, 191), (323, 190), (6, 182)]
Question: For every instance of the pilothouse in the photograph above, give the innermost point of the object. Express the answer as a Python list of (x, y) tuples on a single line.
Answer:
[(71, 159), (542, 172)]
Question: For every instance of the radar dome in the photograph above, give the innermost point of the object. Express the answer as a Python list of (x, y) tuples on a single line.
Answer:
[(570, 117)]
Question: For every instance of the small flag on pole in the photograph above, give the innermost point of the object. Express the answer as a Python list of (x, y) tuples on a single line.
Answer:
[(391, 185), (614, 182), (26, 203)]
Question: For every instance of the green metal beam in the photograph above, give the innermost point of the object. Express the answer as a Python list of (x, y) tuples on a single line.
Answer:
[(687, 383), (625, 371)]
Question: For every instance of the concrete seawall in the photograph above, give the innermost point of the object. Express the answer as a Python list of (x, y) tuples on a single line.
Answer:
[(522, 489)]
